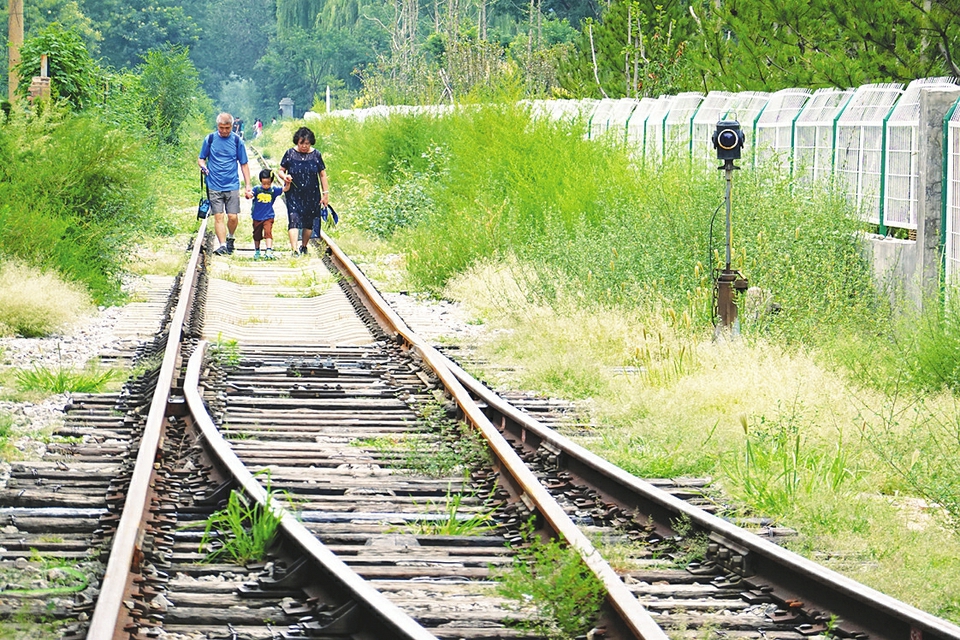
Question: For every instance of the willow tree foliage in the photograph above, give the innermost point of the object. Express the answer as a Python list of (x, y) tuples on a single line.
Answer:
[(297, 14)]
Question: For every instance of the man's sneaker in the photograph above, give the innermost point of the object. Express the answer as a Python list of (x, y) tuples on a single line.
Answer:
[(303, 251), (221, 250), (256, 254), (230, 245)]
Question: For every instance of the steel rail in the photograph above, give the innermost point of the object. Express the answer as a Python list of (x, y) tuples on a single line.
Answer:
[(632, 614), (826, 589), (390, 615), (108, 619)]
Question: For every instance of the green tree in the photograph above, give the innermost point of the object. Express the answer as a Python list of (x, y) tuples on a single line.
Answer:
[(169, 86), (298, 14), (74, 76), (772, 44), (634, 50), (131, 28), (38, 14), (236, 34)]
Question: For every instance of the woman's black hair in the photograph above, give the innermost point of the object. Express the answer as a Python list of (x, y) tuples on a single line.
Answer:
[(304, 133), (266, 173)]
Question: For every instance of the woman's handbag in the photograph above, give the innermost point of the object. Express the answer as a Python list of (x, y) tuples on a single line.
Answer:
[(204, 207)]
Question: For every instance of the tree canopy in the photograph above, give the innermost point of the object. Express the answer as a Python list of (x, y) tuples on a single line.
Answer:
[(251, 53)]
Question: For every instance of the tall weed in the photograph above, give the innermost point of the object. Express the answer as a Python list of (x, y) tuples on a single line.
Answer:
[(780, 467), (491, 182), (919, 441)]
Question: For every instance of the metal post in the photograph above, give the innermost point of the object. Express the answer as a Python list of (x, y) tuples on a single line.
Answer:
[(728, 279)]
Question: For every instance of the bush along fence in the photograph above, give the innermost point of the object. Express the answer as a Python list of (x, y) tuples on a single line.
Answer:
[(893, 150)]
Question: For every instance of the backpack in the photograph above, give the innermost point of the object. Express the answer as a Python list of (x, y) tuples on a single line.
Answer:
[(236, 142)]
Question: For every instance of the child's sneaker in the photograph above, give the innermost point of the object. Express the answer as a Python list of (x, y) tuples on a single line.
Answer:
[(256, 254)]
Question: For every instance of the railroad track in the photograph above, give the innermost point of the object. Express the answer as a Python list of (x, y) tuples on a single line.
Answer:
[(404, 490)]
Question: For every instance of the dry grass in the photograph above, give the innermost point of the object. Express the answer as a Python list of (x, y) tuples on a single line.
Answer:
[(668, 402), (34, 303), (375, 258), (162, 256)]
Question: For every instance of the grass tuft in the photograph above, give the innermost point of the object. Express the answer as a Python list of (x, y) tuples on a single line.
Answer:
[(60, 380), (36, 303), (243, 531)]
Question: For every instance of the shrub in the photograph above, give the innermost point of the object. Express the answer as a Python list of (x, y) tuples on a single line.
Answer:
[(78, 193), (35, 303), (550, 577)]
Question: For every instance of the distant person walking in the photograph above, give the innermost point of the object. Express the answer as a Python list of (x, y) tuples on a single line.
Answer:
[(264, 195), (258, 127), (302, 168), (220, 154)]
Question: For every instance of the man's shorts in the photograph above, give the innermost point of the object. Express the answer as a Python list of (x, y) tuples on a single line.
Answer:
[(225, 201)]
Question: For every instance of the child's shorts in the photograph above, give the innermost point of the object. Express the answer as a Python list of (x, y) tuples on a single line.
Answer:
[(262, 229)]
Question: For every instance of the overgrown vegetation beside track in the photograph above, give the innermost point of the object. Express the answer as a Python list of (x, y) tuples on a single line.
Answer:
[(833, 413)]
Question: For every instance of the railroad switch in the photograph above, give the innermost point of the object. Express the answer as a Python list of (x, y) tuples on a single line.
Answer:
[(312, 368)]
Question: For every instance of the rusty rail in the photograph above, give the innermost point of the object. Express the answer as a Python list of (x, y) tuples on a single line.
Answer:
[(632, 614), (397, 620), (109, 618)]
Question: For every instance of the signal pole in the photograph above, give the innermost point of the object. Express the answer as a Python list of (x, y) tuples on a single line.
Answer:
[(728, 141), (15, 37)]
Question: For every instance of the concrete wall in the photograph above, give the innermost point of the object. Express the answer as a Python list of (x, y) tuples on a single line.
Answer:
[(909, 270)]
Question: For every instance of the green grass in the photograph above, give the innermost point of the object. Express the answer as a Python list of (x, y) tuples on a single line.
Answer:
[(76, 213), (60, 380), (242, 531), (456, 522), (550, 580), (225, 351), (442, 447), (594, 276)]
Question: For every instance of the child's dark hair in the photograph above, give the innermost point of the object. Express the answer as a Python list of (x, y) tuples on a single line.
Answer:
[(266, 173), (304, 133)]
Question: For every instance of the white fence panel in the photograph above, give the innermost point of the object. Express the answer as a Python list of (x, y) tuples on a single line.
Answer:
[(619, 117), (677, 124), (773, 135), (653, 130), (952, 194), (746, 107), (637, 124), (901, 156), (859, 146), (814, 131), (600, 119), (705, 121)]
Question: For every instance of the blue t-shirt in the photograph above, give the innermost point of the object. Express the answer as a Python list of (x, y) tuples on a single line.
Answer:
[(223, 155), (263, 202)]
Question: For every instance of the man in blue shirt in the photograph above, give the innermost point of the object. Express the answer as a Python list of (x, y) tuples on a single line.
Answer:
[(220, 154)]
